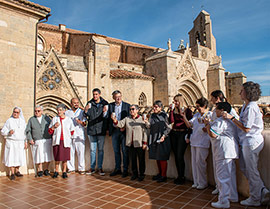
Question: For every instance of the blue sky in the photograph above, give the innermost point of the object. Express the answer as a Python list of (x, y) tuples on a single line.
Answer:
[(241, 27)]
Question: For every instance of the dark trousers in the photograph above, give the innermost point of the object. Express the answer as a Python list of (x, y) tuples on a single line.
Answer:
[(179, 146), (137, 153), (119, 144)]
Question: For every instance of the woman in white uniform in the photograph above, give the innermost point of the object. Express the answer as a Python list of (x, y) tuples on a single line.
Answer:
[(250, 127), (225, 150), (200, 143), (14, 132), (216, 97)]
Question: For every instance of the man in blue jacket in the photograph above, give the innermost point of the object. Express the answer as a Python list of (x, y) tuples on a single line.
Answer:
[(96, 112), (121, 110)]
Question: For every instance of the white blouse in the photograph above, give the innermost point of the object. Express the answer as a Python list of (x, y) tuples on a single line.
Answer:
[(16, 124), (224, 145), (199, 138), (251, 117)]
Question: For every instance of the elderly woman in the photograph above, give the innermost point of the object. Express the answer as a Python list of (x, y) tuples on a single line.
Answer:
[(178, 134), (61, 129), (136, 140), (13, 131), (251, 141), (159, 141)]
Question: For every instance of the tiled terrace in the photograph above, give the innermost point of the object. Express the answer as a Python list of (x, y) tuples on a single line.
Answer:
[(81, 191)]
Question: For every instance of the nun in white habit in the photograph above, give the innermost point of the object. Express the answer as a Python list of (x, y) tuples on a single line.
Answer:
[(14, 132)]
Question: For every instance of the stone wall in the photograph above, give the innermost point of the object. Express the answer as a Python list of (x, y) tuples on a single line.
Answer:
[(137, 55), (234, 82), (52, 38), (215, 80), (132, 88), (17, 55), (116, 52), (76, 44), (157, 67)]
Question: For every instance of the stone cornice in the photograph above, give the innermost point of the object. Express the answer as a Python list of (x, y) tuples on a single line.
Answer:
[(26, 7)]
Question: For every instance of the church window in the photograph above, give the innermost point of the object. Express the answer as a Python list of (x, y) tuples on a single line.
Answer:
[(51, 73), (142, 100), (57, 80), (51, 86), (40, 44), (51, 79), (45, 78), (51, 64)]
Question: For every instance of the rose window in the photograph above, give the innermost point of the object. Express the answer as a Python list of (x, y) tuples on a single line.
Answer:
[(51, 78)]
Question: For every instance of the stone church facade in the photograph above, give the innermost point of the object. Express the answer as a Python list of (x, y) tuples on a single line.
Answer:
[(70, 63)]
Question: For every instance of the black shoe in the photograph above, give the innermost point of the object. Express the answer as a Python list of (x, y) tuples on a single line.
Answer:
[(64, 175), (12, 177), (179, 180), (46, 172), (116, 172), (162, 179), (18, 174), (40, 174), (55, 174), (133, 177), (156, 177), (125, 174), (141, 177)]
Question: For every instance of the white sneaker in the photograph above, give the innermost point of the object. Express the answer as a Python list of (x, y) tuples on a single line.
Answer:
[(265, 199), (220, 204), (233, 200), (215, 191), (194, 186), (250, 202), (201, 187)]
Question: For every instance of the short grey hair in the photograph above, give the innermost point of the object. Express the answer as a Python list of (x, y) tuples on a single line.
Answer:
[(61, 106), (39, 106), (136, 106), (253, 91), (116, 92)]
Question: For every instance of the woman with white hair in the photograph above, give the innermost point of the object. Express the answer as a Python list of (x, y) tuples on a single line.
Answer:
[(13, 131), (61, 129)]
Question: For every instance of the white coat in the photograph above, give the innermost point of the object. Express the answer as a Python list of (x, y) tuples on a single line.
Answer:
[(199, 138), (251, 117), (79, 129), (68, 127), (224, 145)]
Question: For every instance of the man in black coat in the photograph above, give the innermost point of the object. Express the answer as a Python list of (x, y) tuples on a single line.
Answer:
[(121, 110), (96, 112)]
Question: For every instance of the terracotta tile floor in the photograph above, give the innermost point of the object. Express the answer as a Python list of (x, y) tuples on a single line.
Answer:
[(81, 191)]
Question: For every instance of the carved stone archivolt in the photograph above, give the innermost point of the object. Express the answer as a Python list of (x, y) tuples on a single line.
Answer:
[(51, 78), (186, 70)]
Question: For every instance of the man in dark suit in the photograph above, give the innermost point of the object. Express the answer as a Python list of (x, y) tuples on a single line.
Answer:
[(121, 110)]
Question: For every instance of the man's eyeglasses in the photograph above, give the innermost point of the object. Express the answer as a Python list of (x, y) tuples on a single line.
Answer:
[(132, 108), (37, 110)]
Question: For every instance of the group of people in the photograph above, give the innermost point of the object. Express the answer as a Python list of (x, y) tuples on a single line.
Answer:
[(230, 136)]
